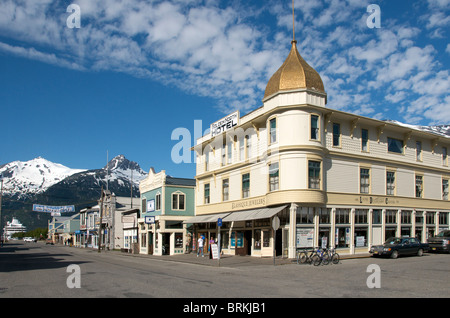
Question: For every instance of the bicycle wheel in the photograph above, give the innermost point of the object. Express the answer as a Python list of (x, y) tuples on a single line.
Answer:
[(303, 257), (335, 258), (316, 260), (325, 259)]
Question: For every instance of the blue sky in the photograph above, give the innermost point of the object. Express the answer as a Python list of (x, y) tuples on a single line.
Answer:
[(136, 70)]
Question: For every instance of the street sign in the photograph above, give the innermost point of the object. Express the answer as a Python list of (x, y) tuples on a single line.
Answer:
[(276, 223), (219, 222), (149, 219)]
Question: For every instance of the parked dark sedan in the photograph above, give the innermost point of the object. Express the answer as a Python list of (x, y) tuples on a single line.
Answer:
[(396, 246), (440, 242)]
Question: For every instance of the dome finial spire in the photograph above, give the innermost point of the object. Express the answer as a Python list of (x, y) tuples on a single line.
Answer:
[(293, 23)]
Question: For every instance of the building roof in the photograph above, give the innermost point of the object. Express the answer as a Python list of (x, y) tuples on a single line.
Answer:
[(180, 181), (295, 73)]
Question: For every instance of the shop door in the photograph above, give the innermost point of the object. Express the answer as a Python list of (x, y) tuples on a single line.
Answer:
[(166, 244), (279, 242), (243, 243), (150, 243)]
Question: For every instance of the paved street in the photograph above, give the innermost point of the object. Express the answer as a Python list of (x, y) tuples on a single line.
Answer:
[(39, 270)]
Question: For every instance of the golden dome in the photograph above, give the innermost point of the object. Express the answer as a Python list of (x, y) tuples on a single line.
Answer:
[(295, 73)]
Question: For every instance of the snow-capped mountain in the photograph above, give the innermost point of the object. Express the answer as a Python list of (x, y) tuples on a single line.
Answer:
[(122, 168), (121, 176), (443, 130), (26, 178)]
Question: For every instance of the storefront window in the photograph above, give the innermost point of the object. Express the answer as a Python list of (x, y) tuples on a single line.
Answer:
[(305, 215), (225, 239), (342, 216), (443, 218), (342, 237), (390, 232), (324, 216), (391, 216), (419, 217), (324, 237), (406, 231), (262, 222), (430, 217), (266, 238), (419, 231), (257, 240), (361, 236), (376, 216), (178, 240), (360, 216)]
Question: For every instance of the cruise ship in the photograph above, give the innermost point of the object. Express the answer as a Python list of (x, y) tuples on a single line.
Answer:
[(13, 227)]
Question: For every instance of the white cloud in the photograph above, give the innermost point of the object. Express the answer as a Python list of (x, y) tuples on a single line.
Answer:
[(220, 52)]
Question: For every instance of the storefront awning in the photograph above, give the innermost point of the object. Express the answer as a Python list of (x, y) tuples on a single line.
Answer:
[(246, 215), (255, 214), (206, 218)]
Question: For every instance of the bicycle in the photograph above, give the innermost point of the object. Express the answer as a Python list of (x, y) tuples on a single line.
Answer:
[(305, 255), (320, 256), (333, 256)]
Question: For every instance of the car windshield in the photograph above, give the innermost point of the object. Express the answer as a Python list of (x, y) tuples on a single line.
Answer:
[(443, 233), (393, 240)]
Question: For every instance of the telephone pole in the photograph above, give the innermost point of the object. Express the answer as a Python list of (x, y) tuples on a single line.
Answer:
[(100, 225)]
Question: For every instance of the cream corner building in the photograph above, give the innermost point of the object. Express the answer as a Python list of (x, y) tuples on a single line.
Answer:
[(332, 178)]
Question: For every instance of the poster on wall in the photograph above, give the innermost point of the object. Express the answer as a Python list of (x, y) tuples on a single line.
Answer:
[(151, 205), (305, 237)]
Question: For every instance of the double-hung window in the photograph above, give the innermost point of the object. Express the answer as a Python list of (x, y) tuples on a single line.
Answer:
[(206, 193), (336, 135), (395, 145), (273, 130), (241, 148), (246, 185), (364, 180), (418, 150), (314, 127), (419, 186), (225, 189), (178, 201), (158, 201), (444, 156), (224, 155), (273, 177), (390, 183), (313, 174), (444, 189), (364, 140), (229, 152)]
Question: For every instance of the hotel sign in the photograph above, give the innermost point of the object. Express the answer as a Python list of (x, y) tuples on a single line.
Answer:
[(224, 124)]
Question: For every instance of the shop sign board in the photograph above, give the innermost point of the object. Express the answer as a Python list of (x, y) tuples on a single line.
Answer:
[(215, 251)]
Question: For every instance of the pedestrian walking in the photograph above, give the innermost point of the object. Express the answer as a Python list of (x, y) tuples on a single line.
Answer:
[(211, 242), (200, 245)]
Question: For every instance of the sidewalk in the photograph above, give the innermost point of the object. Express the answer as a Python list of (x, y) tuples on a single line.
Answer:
[(233, 261)]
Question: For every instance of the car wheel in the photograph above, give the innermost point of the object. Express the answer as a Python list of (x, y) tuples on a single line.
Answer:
[(420, 252), (394, 254)]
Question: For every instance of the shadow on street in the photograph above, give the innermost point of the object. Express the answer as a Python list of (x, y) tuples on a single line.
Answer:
[(19, 257)]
